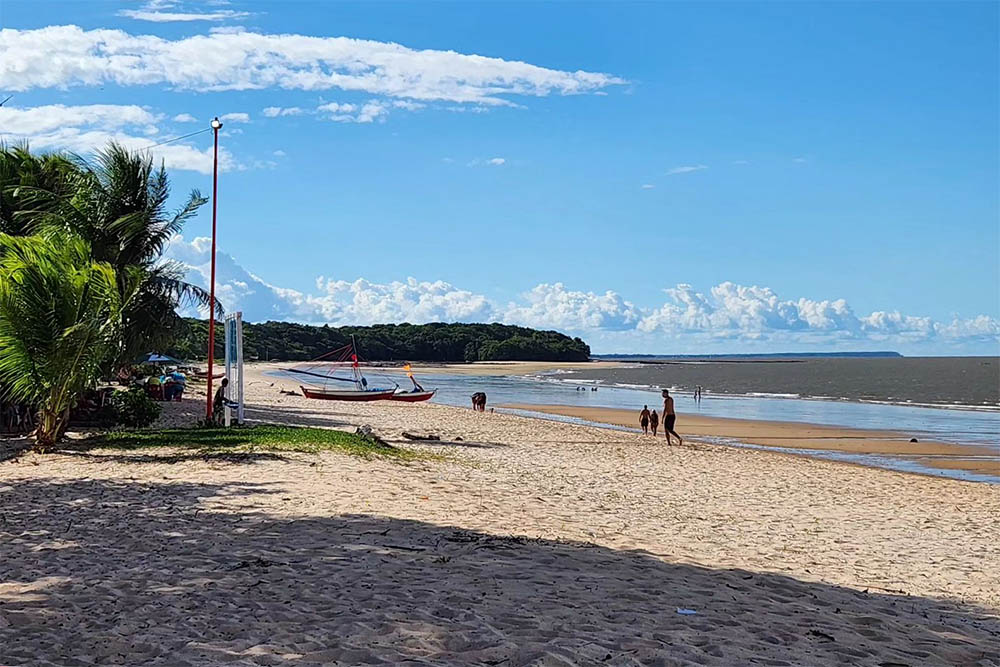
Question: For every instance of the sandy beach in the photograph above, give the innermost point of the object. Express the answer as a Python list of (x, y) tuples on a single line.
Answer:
[(532, 543), (799, 436)]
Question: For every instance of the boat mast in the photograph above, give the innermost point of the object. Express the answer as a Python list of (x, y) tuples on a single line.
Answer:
[(355, 370)]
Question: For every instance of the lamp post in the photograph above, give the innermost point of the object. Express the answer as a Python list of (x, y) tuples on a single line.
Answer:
[(216, 126)]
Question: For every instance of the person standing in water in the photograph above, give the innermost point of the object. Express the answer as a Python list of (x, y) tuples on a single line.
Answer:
[(654, 422), (644, 419), (669, 419)]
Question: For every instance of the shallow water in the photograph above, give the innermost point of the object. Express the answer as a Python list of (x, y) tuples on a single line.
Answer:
[(959, 426), (965, 427)]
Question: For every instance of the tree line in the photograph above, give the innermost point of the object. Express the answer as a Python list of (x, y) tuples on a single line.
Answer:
[(288, 341)]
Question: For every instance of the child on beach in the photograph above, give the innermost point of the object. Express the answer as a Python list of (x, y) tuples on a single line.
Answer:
[(644, 419), (654, 421)]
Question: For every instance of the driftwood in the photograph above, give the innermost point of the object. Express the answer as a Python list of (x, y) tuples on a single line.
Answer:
[(368, 434), (416, 436)]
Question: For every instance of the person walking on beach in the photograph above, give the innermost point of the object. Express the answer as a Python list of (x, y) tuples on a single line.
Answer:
[(669, 419), (654, 422), (644, 419)]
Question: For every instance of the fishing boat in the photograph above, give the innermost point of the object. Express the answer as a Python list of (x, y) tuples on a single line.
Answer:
[(335, 360), (414, 395), (349, 394)]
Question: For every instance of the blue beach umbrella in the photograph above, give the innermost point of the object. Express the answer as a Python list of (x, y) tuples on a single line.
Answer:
[(155, 358)]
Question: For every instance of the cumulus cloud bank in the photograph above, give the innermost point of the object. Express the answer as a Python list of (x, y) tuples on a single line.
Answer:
[(61, 56), (729, 317)]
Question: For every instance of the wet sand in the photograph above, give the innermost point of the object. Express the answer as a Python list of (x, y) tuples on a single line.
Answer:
[(533, 543), (800, 436)]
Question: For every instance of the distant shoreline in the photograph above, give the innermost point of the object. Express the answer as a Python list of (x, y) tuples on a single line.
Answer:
[(782, 356)]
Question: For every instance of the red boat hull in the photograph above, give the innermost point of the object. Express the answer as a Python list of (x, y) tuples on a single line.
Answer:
[(335, 395), (414, 396)]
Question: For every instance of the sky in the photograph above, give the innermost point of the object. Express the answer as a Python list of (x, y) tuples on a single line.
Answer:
[(653, 177)]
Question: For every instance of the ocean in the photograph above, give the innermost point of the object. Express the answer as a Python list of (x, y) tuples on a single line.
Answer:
[(959, 382)]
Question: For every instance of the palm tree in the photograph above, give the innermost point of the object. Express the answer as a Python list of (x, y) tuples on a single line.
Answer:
[(117, 203), (60, 319), (30, 187)]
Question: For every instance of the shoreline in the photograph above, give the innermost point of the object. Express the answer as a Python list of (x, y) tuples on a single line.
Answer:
[(796, 430), (549, 371), (781, 437)]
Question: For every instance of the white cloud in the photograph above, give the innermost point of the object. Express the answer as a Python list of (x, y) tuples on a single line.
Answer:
[(87, 128), (61, 56), (274, 112), (53, 117), (354, 113), (157, 16), (227, 29), (648, 186), (408, 105), (235, 117), (185, 118), (756, 313), (800, 160), (335, 107), (489, 162), (553, 306), (336, 301), (279, 153), (729, 317), (686, 169), (371, 111)]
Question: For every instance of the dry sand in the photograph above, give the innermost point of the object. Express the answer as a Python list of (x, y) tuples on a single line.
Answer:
[(537, 543)]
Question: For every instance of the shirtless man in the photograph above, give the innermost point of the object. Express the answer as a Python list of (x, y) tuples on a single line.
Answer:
[(669, 417), (644, 419)]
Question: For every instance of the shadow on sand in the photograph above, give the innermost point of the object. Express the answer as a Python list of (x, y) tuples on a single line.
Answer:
[(113, 572)]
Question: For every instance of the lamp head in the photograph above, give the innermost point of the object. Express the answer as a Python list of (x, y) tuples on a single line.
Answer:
[(216, 123)]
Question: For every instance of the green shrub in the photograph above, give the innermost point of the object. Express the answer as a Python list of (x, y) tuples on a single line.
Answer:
[(134, 409)]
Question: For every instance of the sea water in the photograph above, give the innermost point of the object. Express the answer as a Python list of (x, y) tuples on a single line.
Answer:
[(978, 427)]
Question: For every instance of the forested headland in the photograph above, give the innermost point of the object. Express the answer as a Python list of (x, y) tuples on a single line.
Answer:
[(288, 341)]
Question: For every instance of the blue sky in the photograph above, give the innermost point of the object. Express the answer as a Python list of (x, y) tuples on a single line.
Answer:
[(656, 177)]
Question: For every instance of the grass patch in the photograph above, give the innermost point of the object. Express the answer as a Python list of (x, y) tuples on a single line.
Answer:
[(254, 439)]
